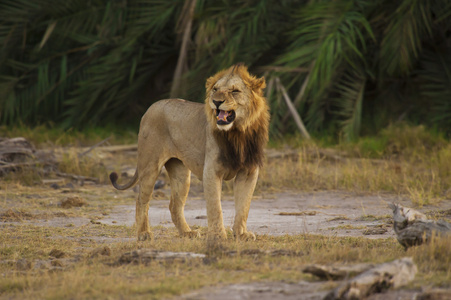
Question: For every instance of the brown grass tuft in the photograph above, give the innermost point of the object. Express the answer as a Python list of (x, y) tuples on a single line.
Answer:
[(70, 202)]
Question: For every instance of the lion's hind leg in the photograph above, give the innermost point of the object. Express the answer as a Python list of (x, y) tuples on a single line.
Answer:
[(147, 179), (179, 177)]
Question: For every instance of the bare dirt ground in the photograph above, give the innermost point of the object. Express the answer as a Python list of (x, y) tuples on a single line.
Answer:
[(335, 213), (327, 213), (290, 212), (330, 213), (280, 212)]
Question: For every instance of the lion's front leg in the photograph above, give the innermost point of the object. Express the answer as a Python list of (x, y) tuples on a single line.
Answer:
[(244, 186), (212, 190)]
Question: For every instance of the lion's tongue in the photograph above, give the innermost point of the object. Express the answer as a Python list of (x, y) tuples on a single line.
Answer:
[(223, 115)]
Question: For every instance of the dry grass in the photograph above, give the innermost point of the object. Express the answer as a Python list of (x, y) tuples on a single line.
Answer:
[(425, 182), (406, 161), (409, 162), (80, 275)]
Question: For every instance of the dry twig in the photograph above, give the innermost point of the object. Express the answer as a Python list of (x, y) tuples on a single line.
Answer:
[(292, 109)]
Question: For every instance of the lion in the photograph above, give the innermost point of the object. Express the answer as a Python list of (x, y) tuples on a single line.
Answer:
[(222, 139)]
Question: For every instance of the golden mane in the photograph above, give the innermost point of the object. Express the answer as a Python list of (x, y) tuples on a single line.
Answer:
[(242, 147)]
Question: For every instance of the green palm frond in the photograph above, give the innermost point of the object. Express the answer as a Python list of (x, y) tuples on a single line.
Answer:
[(86, 65), (79, 62), (227, 32), (331, 35), (351, 89), (408, 25), (435, 87)]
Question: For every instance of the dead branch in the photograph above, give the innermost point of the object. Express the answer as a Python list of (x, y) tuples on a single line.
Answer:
[(292, 109), (269, 88), (77, 177), (119, 148), (389, 275), (13, 166), (145, 256), (15, 150), (300, 95), (93, 147), (336, 272), (183, 49), (274, 154)]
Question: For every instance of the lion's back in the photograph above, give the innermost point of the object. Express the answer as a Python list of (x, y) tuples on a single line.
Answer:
[(177, 128)]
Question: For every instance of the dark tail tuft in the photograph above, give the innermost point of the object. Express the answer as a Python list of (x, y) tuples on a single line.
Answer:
[(113, 177)]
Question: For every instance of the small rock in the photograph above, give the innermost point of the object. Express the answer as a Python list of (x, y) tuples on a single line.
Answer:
[(159, 184), (55, 186), (412, 227), (436, 294), (375, 230), (69, 185)]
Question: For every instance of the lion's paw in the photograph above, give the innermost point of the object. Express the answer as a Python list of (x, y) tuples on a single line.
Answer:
[(246, 236), (222, 235), (145, 236), (191, 234)]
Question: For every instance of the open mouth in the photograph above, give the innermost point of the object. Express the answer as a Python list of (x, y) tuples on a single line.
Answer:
[(224, 117)]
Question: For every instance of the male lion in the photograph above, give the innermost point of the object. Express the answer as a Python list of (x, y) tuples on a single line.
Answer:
[(222, 139)]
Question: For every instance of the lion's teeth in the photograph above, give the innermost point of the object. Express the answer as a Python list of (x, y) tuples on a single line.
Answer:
[(223, 115)]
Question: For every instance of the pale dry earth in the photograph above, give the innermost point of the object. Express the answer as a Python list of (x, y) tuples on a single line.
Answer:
[(280, 212), (290, 212)]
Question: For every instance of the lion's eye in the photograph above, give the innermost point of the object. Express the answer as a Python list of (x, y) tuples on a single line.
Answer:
[(236, 91), (215, 89)]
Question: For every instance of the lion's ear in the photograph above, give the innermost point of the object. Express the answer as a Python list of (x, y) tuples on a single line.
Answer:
[(210, 82), (259, 84)]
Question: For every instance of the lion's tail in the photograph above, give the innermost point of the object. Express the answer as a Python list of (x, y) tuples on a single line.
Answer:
[(114, 177)]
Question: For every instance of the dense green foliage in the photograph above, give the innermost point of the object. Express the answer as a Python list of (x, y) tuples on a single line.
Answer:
[(350, 66)]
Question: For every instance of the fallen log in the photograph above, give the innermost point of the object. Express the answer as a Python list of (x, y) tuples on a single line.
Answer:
[(77, 177), (118, 148), (15, 150), (412, 227), (336, 272), (145, 256), (389, 275)]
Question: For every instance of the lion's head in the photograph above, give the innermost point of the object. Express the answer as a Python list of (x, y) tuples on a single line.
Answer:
[(235, 99), (238, 112)]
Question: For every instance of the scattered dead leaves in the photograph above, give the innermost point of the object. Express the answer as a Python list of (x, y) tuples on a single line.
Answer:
[(70, 202), (298, 213), (15, 215)]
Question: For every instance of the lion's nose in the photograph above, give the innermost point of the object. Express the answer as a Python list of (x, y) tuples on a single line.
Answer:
[(217, 103)]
